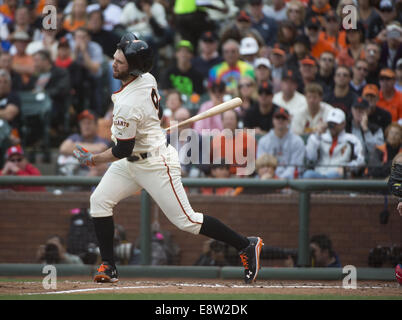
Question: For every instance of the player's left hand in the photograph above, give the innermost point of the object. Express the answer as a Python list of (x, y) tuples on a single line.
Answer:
[(84, 156)]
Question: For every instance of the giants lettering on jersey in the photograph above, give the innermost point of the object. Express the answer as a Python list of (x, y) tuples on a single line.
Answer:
[(123, 129)]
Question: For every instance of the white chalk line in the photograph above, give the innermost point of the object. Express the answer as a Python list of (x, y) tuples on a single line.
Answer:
[(194, 285)]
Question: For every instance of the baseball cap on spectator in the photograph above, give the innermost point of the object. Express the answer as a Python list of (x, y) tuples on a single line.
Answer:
[(14, 150), (336, 115), (386, 5), (399, 63), (387, 73), (278, 50), (243, 16), (360, 103), (185, 44), (63, 42), (209, 36), (87, 114), (262, 62), (289, 74), (308, 61), (265, 87), (302, 38), (394, 31), (370, 89), (281, 112), (20, 36), (313, 23), (248, 46)]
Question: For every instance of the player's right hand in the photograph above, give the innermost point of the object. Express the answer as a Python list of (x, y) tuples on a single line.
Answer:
[(84, 156)]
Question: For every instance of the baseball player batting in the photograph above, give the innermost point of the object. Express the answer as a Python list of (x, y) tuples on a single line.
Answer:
[(141, 158)]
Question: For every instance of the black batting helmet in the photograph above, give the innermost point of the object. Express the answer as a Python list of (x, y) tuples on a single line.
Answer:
[(137, 52)]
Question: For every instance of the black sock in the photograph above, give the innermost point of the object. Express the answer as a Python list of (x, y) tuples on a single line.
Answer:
[(104, 229), (215, 229)]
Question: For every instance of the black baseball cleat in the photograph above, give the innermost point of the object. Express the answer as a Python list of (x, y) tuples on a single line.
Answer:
[(250, 257), (106, 273)]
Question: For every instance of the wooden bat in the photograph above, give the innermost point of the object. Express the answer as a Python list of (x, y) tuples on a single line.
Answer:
[(220, 108)]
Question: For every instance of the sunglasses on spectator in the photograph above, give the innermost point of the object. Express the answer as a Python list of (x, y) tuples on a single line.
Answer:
[(248, 85), (385, 79), (16, 159), (362, 69), (327, 59)]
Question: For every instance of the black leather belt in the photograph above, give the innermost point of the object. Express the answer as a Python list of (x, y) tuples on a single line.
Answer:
[(136, 158)]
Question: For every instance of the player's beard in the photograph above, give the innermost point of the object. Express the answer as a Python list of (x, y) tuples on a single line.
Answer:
[(122, 75)]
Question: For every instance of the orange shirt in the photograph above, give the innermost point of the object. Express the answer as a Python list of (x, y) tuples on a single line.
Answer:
[(71, 26), (345, 59), (338, 43), (393, 105), (5, 10), (27, 61), (320, 47), (239, 150)]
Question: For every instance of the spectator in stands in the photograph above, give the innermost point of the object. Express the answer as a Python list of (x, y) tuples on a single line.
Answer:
[(318, 45), (377, 27), (54, 252), (370, 134), (106, 38), (390, 99), (6, 63), (381, 159), (323, 254), (188, 144), (22, 62), (22, 22), (355, 46), (265, 167), (9, 106), (277, 11), (341, 96), (287, 34), (278, 59), (266, 26), (233, 145), (248, 49), (332, 32), (232, 68), (182, 76), (311, 116), (262, 70), (260, 116), (173, 102), (309, 71), (392, 48), (288, 97), (220, 170), (77, 18), (372, 55), (111, 13), (55, 82), (88, 139), (89, 55), (47, 41), (301, 50), (296, 14), (216, 91), (333, 151), (284, 145), (326, 71), (376, 114), (318, 9), (18, 165), (360, 71), (248, 94), (367, 14), (209, 55), (398, 73)]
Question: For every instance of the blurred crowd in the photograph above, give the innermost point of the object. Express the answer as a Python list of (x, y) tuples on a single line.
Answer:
[(320, 81)]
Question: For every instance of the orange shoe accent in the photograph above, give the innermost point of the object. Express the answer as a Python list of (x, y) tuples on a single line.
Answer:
[(102, 268), (244, 260)]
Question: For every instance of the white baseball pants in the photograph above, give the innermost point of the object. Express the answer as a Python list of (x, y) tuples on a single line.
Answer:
[(160, 176)]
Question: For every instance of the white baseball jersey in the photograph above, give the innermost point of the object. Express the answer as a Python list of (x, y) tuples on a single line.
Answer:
[(135, 114)]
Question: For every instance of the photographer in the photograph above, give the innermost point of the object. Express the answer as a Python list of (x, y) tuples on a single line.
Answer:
[(213, 254), (54, 252), (322, 253)]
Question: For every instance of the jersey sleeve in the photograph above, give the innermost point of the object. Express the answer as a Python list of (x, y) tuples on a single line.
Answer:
[(125, 121)]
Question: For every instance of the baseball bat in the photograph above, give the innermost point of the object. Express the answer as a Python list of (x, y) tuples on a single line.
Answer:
[(218, 109)]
